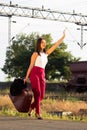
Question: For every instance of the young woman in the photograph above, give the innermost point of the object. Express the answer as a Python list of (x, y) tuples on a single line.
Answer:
[(36, 72)]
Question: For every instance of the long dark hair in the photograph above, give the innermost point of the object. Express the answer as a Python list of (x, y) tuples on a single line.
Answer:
[(38, 46)]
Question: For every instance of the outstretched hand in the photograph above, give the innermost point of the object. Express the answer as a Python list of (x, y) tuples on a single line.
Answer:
[(64, 31)]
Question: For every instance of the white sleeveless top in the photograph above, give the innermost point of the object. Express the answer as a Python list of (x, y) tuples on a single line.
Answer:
[(41, 60)]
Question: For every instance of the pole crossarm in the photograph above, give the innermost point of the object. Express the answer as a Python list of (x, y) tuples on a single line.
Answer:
[(9, 10)]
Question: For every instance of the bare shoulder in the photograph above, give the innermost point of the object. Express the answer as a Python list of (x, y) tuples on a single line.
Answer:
[(35, 54), (47, 52)]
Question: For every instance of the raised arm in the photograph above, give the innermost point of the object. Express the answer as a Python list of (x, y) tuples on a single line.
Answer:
[(50, 50)]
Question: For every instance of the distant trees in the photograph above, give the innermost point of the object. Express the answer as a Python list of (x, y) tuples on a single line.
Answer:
[(19, 53)]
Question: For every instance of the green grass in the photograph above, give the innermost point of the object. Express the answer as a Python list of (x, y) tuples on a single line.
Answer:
[(45, 115)]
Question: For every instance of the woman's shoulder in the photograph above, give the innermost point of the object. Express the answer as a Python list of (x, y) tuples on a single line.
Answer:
[(35, 54)]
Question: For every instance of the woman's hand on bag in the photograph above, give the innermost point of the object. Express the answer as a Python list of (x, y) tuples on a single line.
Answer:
[(25, 80)]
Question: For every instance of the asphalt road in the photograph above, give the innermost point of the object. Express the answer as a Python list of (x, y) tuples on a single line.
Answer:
[(15, 123)]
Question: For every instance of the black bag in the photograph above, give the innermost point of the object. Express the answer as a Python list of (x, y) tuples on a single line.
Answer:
[(23, 101), (17, 86)]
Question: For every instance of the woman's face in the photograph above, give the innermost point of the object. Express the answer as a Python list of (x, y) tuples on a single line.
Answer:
[(43, 44)]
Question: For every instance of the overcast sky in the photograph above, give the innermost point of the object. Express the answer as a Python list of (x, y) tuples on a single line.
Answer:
[(55, 28)]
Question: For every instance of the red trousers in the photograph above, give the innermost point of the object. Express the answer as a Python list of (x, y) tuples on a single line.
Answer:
[(38, 84)]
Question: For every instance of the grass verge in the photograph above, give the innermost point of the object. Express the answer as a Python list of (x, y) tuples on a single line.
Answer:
[(51, 107)]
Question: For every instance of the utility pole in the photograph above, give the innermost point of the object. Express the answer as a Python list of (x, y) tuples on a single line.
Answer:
[(9, 29), (82, 29)]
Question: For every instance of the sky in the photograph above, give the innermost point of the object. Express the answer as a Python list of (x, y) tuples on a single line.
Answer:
[(55, 28)]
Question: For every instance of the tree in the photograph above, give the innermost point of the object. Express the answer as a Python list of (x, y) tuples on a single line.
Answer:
[(59, 62), (19, 53)]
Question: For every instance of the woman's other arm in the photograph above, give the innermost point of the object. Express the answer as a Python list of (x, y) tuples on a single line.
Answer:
[(32, 62)]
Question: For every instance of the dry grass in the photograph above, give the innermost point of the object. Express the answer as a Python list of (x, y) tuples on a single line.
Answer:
[(5, 102), (55, 105), (48, 104)]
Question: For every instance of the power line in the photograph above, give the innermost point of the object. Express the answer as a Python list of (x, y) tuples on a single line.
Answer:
[(9, 10), (19, 32)]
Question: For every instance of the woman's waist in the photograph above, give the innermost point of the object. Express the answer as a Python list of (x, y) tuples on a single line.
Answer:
[(37, 71), (38, 68)]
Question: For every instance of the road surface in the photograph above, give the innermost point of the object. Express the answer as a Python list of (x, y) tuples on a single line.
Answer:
[(16, 123)]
